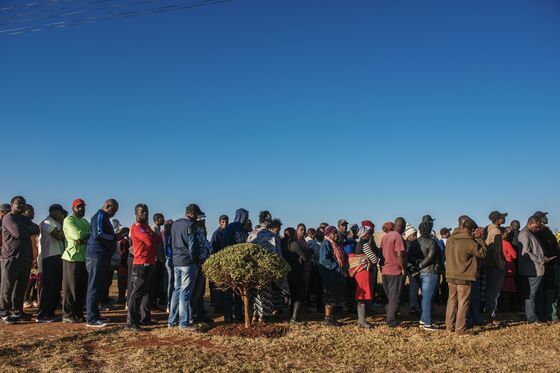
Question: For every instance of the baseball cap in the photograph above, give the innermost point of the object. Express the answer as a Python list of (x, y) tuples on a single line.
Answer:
[(495, 215), (428, 219), (540, 214), (78, 202), (5, 207)]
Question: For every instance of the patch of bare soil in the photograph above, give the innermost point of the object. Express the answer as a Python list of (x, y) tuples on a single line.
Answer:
[(257, 331)]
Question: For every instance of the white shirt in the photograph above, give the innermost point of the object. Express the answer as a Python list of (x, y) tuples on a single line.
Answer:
[(48, 245)]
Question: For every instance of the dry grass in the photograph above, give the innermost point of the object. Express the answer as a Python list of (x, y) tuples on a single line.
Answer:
[(309, 347)]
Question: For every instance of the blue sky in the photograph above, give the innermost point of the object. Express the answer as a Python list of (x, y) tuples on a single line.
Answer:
[(315, 110)]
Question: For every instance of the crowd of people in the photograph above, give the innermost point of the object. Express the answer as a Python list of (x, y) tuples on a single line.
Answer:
[(68, 262)]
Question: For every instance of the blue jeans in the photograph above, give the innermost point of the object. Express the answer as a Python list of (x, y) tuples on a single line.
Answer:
[(532, 291), (474, 316), (429, 282), (97, 268), (170, 280), (494, 283), (185, 277)]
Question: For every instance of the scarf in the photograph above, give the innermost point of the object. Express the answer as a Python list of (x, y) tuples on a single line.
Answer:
[(339, 254)]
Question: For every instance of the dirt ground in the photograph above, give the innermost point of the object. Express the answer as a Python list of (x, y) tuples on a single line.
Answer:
[(30, 347)]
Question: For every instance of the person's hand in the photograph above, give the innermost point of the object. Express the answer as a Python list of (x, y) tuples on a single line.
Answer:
[(548, 260), (478, 232)]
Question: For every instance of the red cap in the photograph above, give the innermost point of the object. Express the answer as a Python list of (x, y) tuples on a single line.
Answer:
[(78, 202), (368, 223)]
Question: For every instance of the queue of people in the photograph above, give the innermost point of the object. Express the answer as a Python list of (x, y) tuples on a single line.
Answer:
[(476, 271)]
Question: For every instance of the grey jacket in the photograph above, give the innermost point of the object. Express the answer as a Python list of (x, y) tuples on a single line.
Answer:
[(531, 260)]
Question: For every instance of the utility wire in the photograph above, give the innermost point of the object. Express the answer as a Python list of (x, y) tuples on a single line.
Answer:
[(64, 20)]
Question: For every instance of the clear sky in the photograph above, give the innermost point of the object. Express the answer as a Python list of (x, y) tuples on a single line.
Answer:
[(315, 110)]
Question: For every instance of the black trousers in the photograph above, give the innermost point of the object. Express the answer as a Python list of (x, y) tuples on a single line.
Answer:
[(393, 287), (15, 274), (197, 297), (139, 299), (74, 289), (51, 285), (158, 286)]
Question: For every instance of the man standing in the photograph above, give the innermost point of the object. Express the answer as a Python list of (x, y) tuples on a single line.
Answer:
[(216, 243), (550, 285), (199, 314), (342, 231), (16, 258), (74, 273), (101, 246), (144, 246), (461, 252), (233, 234), (186, 260), (532, 266), (495, 265), (4, 210), (394, 269), (157, 284), (51, 246)]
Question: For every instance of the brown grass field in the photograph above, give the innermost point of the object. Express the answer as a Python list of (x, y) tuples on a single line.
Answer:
[(516, 347)]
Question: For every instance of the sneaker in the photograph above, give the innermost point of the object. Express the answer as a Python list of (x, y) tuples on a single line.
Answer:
[(365, 325), (148, 323), (422, 323), (96, 324), (22, 316), (330, 321), (133, 328), (9, 320), (190, 328), (44, 321), (102, 319), (70, 320), (430, 328)]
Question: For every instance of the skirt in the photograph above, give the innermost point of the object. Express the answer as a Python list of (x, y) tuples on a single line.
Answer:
[(364, 286)]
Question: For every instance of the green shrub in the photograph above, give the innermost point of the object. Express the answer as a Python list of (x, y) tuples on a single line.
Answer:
[(245, 267)]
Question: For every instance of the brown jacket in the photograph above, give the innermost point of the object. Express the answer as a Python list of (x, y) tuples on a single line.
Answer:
[(461, 251)]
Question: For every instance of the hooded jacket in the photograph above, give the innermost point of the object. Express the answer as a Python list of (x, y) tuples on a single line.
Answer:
[(235, 232), (461, 253), (185, 246)]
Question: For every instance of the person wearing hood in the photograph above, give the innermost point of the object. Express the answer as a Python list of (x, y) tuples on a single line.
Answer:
[(413, 256), (463, 248), (550, 283), (234, 233), (495, 265), (186, 261)]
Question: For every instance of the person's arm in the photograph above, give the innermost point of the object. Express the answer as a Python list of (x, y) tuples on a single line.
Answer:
[(54, 231), (431, 257), (31, 228), (374, 259), (480, 250), (15, 230), (295, 248), (99, 232), (525, 241), (326, 257)]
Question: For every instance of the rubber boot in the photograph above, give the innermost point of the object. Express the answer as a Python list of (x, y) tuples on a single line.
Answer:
[(297, 306), (362, 323)]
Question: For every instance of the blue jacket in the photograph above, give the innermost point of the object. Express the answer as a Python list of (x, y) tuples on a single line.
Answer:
[(184, 243), (327, 261), (216, 241), (102, 240), (235, 232)]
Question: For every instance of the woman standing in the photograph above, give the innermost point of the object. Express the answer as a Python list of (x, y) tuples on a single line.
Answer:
[(296, 257), (301, 231), (360, 264), (429, 272), (332, 267)]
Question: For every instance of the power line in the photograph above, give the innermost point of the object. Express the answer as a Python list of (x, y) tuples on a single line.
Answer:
[(66, 19)]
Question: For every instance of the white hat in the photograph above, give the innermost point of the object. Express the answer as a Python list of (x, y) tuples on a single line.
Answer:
[(409, 230)]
